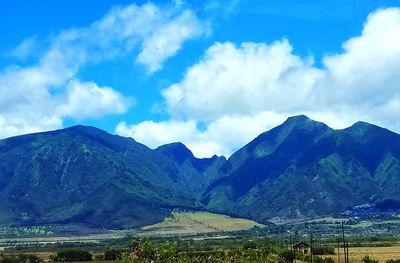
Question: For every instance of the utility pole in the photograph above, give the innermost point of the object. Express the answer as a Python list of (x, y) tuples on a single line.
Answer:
[(344, 244), (187, 251), (311, 248), (294, 249), (291, 248)]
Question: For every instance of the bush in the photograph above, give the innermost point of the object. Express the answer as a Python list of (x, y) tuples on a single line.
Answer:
[(112, 254), (323, 260), (324, 251), (249, 245), (72, 255), (273, 258), (168, 252), (21, 258), (287, 255), (99, 257), (367, 259), (393, 261)]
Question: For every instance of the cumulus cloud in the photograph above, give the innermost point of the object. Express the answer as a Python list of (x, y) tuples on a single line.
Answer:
[(242, 80), (167, 39), (236, 92), (40, 96), (364, 78), (221, 136), (154, 134), (88, 100)]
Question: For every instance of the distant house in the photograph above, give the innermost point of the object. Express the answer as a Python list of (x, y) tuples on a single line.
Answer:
[(302, 247)]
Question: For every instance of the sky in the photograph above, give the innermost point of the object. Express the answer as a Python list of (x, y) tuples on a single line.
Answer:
[(212, 74)]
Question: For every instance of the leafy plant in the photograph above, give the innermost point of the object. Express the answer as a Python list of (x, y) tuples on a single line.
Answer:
[(367, 259)]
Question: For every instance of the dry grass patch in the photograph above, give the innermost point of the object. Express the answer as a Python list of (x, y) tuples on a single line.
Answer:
[(382, 254), (185, 223)]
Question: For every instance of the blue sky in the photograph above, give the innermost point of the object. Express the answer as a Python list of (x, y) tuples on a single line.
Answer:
[(212, 74)]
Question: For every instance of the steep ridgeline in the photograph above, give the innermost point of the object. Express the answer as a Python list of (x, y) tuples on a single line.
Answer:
[(300, 168), (85, 175), (196, 174), (304, 168)]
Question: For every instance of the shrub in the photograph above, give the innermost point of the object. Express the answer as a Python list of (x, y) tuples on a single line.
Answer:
[(21, 258), (72, 255), (367, 259), (287, 255), (249, 245), (323, 260), (324, 251), (99, 257), (273, 258), (112, 254)]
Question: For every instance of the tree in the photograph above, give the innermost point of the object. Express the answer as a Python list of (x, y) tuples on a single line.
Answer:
[(145, 252), (72, 255)]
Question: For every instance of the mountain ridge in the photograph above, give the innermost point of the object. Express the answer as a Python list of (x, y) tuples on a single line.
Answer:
[(301, 168), (286, 165)]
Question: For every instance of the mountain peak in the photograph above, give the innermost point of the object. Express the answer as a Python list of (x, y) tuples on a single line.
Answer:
[(83, 128), (302, 121), (300, 117), (361, 129), (177, 150), (362, 124)]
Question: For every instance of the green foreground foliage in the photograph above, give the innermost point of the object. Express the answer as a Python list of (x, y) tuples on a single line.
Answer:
[(367, 259), (158, 250), (169, 252), (20, 258), (71, 255)]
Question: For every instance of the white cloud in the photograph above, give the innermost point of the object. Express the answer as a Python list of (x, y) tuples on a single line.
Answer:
[(242, 80), (220, 137), (88, 100), (40, 96), (365, 77), (154, 134), (25, 49), (167, 39), (239, 91)]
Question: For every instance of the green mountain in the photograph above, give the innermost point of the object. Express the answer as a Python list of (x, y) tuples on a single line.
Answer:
[(301, 168), (196, 174), (85, 175), (304, 168)]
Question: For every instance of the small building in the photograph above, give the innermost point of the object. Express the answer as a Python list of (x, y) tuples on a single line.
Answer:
[(301, 247)]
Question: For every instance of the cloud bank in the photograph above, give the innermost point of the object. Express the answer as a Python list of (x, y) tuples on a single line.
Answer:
[(235, 92), (42, 95)]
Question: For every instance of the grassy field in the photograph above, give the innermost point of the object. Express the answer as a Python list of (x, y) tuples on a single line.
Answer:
[(207, 233), (382, 254), (92, 238), (189, 223)]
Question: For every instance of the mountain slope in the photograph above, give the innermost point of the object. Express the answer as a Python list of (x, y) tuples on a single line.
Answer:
[(85, 175), (301, 168), (195, 174), (304, 168)]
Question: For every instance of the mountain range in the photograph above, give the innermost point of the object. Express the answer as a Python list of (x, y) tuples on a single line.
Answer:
[(301, 168)]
